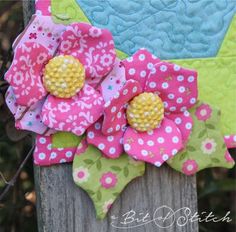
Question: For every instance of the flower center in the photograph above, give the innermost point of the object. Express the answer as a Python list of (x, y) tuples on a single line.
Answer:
[(64, 76), (145, 112)]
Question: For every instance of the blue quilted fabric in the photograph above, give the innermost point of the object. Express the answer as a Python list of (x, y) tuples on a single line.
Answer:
[(168, 28)]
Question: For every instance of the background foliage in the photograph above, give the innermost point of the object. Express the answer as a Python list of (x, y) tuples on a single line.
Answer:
[(216, 187)]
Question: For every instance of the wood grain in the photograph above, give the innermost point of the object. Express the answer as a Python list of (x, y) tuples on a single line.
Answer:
[(63, 207)]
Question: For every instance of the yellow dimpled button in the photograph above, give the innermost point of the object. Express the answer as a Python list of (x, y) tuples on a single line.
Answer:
[(145, 112), (64, 76)]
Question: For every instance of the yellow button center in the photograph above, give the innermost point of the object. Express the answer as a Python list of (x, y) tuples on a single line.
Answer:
[(64, 76), (145, 112)]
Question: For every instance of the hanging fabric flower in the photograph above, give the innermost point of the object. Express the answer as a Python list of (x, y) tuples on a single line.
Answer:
[(148, 116), (59, 67)]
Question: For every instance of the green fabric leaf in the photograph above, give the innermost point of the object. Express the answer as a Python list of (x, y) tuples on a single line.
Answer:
[(206, 147), (65, 139), (104, 179)]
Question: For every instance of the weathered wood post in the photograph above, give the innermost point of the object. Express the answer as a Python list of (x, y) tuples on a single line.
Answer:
[(63, 207)]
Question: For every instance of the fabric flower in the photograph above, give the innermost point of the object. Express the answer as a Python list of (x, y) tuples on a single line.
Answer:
[(81, 174), (208, 146), (60, 69), (147, 115), (228, 157), (190, 167), (203, 112), (108, 180)]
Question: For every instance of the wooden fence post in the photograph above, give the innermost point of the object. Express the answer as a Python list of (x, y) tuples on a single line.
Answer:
[(63, 207)]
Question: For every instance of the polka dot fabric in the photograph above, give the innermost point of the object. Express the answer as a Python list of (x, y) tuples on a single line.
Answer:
[(46, 155), (111, 145), (230, 141), (139, 66), (177, 86), (43, 7), (155, 146), (114, 114), (184, 122)]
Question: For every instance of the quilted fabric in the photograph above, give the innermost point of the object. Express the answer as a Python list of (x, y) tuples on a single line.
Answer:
[(169, 29), (104, 179), (206, 147)]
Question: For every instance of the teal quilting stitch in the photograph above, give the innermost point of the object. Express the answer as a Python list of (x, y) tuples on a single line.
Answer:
[(168, 28)]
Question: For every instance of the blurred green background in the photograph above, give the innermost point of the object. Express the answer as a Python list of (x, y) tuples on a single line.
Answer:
[(216, 187)]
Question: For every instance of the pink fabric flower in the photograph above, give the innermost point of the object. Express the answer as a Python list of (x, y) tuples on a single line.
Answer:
[(177, 88), (228, 157), (190, 167), (203, 112), (108, 180), (93, 47)]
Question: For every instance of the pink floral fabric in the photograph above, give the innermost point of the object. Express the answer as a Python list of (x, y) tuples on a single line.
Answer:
[(42, 40), (176, 86), (94, 47), (203, 112), (27, 118), (45, 154), (108, 180), (190, 167), (75, 114), (114, 81)]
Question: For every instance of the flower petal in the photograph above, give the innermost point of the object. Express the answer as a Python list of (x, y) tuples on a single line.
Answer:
[(110, 145), (27, 118), (176, 86), (41, 30), (184, 122), (155, 146), (75, 114), (114, 81), (139, 66), (45, 154), (230, 141), (114, 116), (24, 75), (43, 7), (94, 47)]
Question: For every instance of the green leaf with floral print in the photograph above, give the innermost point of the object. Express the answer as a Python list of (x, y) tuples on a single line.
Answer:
[(104, 179), (206, 147)]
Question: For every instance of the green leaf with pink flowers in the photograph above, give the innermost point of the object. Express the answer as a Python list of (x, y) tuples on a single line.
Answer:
[(102, 178), (206, 147)]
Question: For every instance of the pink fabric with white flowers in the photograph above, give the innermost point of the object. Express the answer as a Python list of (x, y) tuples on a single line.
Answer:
[(24, 75), (38, 43), (27, 118), (75, 114), (94, 47), (114, 81), (176, 86)]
